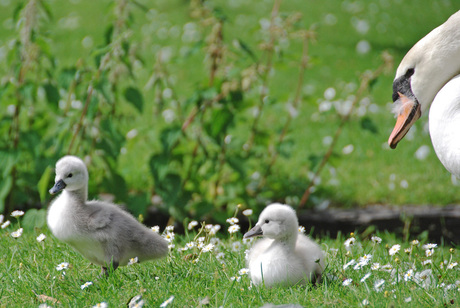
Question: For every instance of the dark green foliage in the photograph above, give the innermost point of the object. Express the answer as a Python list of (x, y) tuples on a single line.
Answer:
[(368, 124), (34, 218), (179, 101), (134, 96)]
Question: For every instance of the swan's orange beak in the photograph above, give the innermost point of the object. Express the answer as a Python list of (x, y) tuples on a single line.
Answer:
[(410, 112)]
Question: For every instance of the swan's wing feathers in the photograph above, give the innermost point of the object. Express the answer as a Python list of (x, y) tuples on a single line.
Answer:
[(100, 218)]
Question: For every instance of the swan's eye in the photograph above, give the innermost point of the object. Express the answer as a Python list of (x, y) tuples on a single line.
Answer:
[(70, 175), (267, 221), (409, 72)]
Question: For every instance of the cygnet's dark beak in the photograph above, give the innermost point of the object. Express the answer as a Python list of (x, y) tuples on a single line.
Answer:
[(58, 186), (256, 231)]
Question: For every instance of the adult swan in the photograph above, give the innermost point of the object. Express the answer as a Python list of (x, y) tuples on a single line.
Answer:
[(427, 76)]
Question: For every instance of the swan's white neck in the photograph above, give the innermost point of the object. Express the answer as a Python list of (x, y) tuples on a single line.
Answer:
[(444, 123)]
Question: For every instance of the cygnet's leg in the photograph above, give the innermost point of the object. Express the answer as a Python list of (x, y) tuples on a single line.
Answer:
[(316, 277), (110, 269)]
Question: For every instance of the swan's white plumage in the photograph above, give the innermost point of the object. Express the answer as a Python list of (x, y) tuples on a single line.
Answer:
[(283, 256), (444, 124), (101, 231)]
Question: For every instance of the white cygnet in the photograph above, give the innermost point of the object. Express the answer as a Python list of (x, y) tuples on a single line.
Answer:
[(284, 256), (101, 231)]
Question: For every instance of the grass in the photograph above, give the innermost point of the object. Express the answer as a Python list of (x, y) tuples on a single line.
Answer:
[(28, 274)]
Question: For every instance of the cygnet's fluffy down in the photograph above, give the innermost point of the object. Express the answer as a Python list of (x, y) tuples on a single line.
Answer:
[(284, 256), (101, 231)]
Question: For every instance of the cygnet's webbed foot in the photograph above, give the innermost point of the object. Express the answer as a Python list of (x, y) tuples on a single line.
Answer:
[(105, 271), (316, 279)]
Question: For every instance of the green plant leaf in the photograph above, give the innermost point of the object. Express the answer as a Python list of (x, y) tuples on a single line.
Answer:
[(5, 187), (52, 94), (34, 218), (66, 76), (368, 124), (221, 119), (134, 96), (43, 183), (169, 138)]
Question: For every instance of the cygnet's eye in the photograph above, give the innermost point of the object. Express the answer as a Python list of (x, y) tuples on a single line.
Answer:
[(70, 175), (267, 221)]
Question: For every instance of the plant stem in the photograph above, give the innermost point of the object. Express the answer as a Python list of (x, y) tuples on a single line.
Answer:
[(303, 66), (366, 79), (82, 116), (268, 67)]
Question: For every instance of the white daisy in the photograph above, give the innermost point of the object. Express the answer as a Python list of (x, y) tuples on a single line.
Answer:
[(41, 238), (357, 266), (375, 266), (17, 233), (376, 239), (424, 278), (192, 224), (236, 246), (169, 236), (85, 285), (429, 261), (6, 224), (349, 242), (365, 259), (365, 302), (429, 252), (394, 249), (156, 229), (208, 248), (62, 266), (233, 229), (17, 214), (1, 218), (232, 220), (408, 300), (136, 302), (378, 285), (243, 271), (133, 261), (214, 230), (167, 302), (452, 265), (351, 262), (190, 245), (387, 268), (301, 229), (347, 282), (429, 246), (101, 305), (235, 278), (409, 275), (247, 212), (365, 277), (415, 243)]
